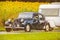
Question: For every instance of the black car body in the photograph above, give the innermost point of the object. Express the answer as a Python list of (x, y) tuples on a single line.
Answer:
[(30, 20)]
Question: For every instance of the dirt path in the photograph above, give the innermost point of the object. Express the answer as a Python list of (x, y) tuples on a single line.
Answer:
[(22, 31)]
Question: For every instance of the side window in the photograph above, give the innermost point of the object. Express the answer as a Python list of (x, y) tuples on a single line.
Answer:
[(41, 17), (36, 16)]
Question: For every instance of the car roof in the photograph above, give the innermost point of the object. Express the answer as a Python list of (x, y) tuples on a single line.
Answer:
[(29, 13), (26, 13)]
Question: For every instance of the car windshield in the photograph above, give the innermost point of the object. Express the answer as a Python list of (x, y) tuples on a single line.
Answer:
[(25, 15)]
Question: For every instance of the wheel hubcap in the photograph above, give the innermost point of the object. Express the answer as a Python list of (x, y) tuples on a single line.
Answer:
[(27, 27), (47, 27)]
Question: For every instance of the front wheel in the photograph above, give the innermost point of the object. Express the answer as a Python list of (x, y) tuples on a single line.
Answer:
[(27, 28)]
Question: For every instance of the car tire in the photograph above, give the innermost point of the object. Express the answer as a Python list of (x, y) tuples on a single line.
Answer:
[(8, 29), (27, 28), (47, 27)]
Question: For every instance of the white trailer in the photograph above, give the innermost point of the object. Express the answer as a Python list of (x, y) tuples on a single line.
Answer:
[(52, 13)]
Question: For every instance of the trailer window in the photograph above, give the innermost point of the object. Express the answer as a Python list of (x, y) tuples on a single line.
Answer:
[(50, 12)]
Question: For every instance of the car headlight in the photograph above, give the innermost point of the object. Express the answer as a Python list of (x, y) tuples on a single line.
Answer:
[(22, 20)]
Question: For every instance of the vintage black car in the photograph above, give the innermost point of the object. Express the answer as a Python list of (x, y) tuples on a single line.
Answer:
[(29, 21)]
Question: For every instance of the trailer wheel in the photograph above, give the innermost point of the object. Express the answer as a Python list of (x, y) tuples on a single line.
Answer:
[(8, 29), (27, 28)]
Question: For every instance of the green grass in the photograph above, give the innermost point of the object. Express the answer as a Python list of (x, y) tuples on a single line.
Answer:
[(31, 36)]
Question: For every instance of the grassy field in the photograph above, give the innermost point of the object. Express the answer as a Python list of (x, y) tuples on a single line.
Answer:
[(31, 36)]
